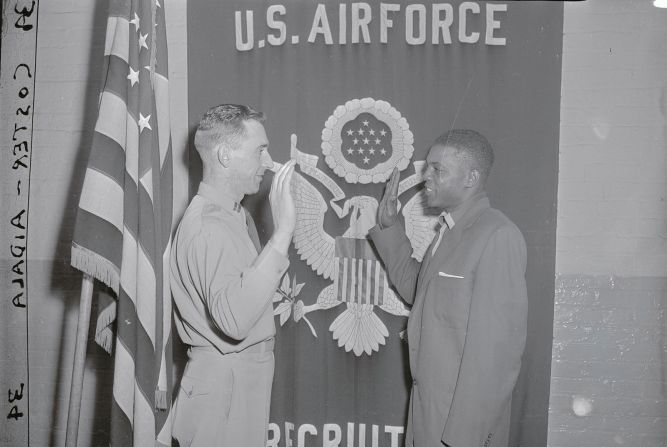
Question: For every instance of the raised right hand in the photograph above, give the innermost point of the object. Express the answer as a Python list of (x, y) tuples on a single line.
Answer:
[(282, 206), (388, 209)]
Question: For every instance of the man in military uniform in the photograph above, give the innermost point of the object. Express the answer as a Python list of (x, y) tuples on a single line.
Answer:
[(223, 284)]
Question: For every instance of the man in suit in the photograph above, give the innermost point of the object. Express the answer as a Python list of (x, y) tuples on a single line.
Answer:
[(223, 284), (467, 326)]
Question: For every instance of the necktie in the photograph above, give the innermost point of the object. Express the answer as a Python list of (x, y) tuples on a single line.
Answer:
[(446, 223), (252, 230)]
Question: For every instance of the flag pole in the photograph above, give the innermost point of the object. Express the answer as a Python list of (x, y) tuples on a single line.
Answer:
[(76, 389)]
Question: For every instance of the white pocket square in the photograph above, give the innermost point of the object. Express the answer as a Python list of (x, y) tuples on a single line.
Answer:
[(447, 275)]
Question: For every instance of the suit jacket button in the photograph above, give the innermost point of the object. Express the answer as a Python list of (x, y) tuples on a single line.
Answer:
[(414, 382)]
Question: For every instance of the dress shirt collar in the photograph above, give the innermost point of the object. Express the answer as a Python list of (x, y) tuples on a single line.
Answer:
[(220, 198), (457, 214), (448, 220)]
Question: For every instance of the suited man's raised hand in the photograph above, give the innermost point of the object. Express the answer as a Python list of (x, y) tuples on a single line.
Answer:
[(388, 209)]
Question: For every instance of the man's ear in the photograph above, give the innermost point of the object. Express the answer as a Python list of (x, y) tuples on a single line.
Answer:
[(474, 177), (223, 155)]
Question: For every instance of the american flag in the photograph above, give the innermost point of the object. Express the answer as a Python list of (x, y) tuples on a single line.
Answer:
[(358, 274), (366, 141), (123, 224)]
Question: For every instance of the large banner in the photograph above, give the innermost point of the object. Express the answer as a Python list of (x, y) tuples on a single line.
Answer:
[(352, 90)]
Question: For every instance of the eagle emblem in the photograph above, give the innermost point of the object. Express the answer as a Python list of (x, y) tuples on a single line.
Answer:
[(359, 281)]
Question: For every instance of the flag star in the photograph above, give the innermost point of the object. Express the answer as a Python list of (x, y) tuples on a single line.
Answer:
[(366, 160), (377, 141), (133, 76), (361, 151), (365, 123), (355, 141), (383, 152), (350, 132), (350, 150), (142, 40), (135, 21), (372, 131), (360, 131), (365, 140), (371, 151), (144, 122), (383, 132)]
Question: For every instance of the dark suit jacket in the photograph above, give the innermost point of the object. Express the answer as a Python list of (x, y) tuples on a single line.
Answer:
[(467, 327)]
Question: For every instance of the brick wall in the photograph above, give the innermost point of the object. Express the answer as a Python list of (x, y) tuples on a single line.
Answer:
[(609, 359)]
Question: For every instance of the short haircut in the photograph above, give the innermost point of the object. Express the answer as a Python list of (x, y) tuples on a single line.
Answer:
[(472, 145), (224, 124)]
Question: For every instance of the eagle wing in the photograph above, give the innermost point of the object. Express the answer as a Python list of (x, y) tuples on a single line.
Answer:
[(312, 243), (393, 304), (420, 225)]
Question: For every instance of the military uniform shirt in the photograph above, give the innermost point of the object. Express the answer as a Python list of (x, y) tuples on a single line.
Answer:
[(222, 287)]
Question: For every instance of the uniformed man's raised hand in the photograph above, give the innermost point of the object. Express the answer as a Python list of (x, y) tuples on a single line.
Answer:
[(388, 209), (282, 207)]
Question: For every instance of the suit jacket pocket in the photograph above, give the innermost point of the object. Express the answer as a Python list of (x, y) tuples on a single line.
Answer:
[(452, 300)]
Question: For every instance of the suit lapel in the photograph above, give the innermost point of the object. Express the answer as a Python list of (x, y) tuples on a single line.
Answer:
[(450, 240)]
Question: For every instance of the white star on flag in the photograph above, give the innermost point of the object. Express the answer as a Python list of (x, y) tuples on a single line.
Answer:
[(133, 76), (144, 122), (135, 21), (142, 40)]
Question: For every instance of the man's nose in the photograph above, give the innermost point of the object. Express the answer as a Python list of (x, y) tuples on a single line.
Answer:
[(267, 161)]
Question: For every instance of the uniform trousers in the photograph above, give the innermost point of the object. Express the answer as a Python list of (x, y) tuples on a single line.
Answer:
[(224, 400)]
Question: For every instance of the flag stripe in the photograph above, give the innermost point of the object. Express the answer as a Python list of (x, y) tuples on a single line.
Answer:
[(118, 37), (166, 186), (117, 80), (102, 196), (107, 239), (147, 227), (145, 308), (136, 345), (109, 158), (123, 390), (117, 124), (120, 8), (121, 425), (162, 110)]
